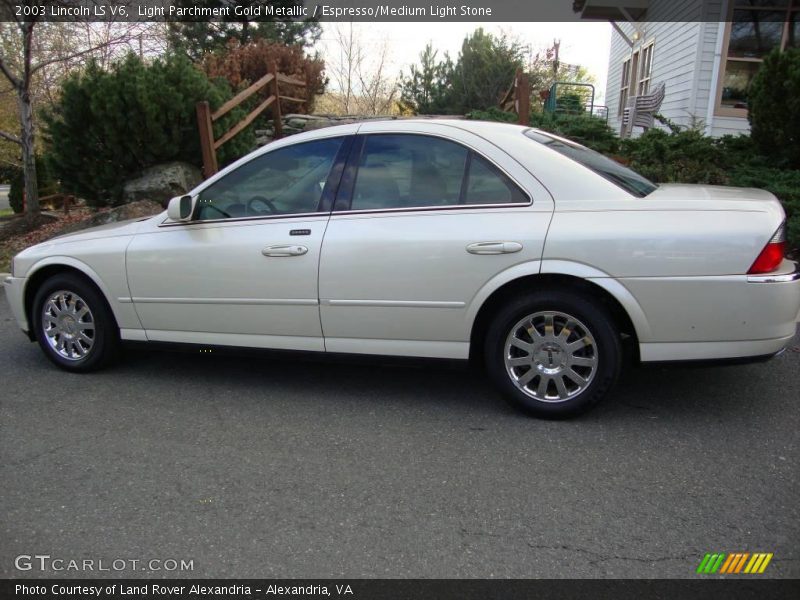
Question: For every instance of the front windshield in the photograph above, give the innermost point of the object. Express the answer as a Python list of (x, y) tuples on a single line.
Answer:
[(628, 180)]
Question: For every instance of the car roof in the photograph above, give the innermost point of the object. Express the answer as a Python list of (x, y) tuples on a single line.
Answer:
[(554, 170)]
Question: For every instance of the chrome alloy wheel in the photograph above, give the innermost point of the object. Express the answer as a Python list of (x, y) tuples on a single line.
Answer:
[(68, 325), (550, 356)]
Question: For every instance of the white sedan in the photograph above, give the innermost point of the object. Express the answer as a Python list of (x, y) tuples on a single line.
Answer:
[(447, 239)]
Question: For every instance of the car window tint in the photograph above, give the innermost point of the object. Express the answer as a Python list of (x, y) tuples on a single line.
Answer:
[(486, 184), (628, 179), (288, 180), (402, 171)]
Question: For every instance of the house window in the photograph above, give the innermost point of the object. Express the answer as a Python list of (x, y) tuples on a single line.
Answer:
[(646, 68), (625, 84), (636, 71), (755, 28)]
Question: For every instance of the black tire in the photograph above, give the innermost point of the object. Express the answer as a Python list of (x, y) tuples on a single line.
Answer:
[(590, 315), (105, 335)]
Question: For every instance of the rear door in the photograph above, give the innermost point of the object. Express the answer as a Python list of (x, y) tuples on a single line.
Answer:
[(426, 215)]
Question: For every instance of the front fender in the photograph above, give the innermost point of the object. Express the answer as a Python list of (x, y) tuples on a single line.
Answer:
[(123, 311)]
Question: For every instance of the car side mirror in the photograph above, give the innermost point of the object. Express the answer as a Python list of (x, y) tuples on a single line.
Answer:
[(181, 208)]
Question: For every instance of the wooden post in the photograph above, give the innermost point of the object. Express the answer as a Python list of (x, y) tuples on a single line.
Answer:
[(523, 98), (206, 139), (276, 111)]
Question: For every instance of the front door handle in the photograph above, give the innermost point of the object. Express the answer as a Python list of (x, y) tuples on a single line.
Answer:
[(494, 247), (284, 250)]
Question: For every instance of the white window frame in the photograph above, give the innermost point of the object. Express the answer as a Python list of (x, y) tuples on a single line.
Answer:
[(645, 67)]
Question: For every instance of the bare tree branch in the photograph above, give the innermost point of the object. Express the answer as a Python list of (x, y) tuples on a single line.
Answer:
[(40, 65), (10, 137), (15, 81)]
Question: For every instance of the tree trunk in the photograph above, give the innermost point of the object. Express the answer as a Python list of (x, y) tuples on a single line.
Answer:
[(26, 120), (28, 154)]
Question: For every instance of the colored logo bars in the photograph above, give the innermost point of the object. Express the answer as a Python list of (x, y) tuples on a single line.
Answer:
[(736, 562)]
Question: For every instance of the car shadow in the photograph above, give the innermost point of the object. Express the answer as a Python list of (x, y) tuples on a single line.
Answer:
[(645, 393)]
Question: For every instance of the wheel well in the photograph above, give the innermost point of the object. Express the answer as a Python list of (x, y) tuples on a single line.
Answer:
[(522, 285), (39, 277)]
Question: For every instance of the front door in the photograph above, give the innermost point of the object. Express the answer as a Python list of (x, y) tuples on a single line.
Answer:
[(243, 272)]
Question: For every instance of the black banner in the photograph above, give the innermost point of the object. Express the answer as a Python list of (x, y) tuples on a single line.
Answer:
[(401, 589), (362, 10)]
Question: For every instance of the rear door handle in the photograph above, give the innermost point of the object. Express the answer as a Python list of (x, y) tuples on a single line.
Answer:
[(284, 250), (494, 247)]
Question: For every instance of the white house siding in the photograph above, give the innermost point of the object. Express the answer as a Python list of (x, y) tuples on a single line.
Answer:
[(683, 59), (729, 126)]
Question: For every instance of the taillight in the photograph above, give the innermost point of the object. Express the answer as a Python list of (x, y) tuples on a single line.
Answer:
[(772, 254)]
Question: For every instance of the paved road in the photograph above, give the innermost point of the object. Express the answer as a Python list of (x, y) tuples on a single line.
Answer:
[(260, 468)]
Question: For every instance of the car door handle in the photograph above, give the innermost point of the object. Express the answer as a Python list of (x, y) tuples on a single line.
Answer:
[(284, 250), (494, 247)]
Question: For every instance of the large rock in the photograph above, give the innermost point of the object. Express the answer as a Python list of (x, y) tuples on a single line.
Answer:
[(162, 182)]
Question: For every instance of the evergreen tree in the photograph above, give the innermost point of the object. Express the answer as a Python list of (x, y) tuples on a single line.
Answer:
[(109, 125), (483, 71), (424, 91), (197, 38)]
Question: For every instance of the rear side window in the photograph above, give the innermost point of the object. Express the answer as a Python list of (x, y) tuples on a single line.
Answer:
[(486, 184), (407, 171), (628, 179)]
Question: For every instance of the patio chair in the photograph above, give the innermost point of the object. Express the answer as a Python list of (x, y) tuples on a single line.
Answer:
[(640, 111)]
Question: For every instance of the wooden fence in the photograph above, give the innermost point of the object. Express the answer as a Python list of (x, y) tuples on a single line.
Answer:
[(205, 118), (518, 98)]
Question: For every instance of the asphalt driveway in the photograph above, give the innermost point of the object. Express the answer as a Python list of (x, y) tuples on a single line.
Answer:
[(283, 468)]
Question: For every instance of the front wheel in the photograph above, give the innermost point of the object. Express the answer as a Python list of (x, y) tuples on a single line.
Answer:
[(73, 324), (553, 354)]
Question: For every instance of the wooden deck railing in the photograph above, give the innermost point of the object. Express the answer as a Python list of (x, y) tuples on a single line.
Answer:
[(205, 118)]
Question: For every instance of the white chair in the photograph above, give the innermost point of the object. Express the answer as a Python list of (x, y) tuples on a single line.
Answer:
[(640, 111)]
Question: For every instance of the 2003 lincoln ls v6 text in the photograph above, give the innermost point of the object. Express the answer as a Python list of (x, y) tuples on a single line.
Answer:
[(449, 239)]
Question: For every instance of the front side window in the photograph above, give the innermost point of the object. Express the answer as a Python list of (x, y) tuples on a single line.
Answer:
[(407, 171), (285, 181)]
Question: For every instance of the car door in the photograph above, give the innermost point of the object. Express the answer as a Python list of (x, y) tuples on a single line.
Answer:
[(426, 215), (243, 271)]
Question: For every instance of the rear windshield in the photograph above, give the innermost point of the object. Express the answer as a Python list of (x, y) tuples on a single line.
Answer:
[(628, 180)]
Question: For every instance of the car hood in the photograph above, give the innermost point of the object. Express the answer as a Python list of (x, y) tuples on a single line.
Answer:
[(119, 228)]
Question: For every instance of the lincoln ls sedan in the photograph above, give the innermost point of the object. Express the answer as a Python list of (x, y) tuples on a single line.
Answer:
[(544, 261)]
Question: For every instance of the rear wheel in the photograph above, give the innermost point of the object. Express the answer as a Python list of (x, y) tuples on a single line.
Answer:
[(553, 353), (73, 324)]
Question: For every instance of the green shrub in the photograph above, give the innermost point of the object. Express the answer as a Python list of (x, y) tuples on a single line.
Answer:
[(492, 114), (681, 157), (740, 151), (109, 125), (585, 129), (774, 107)]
